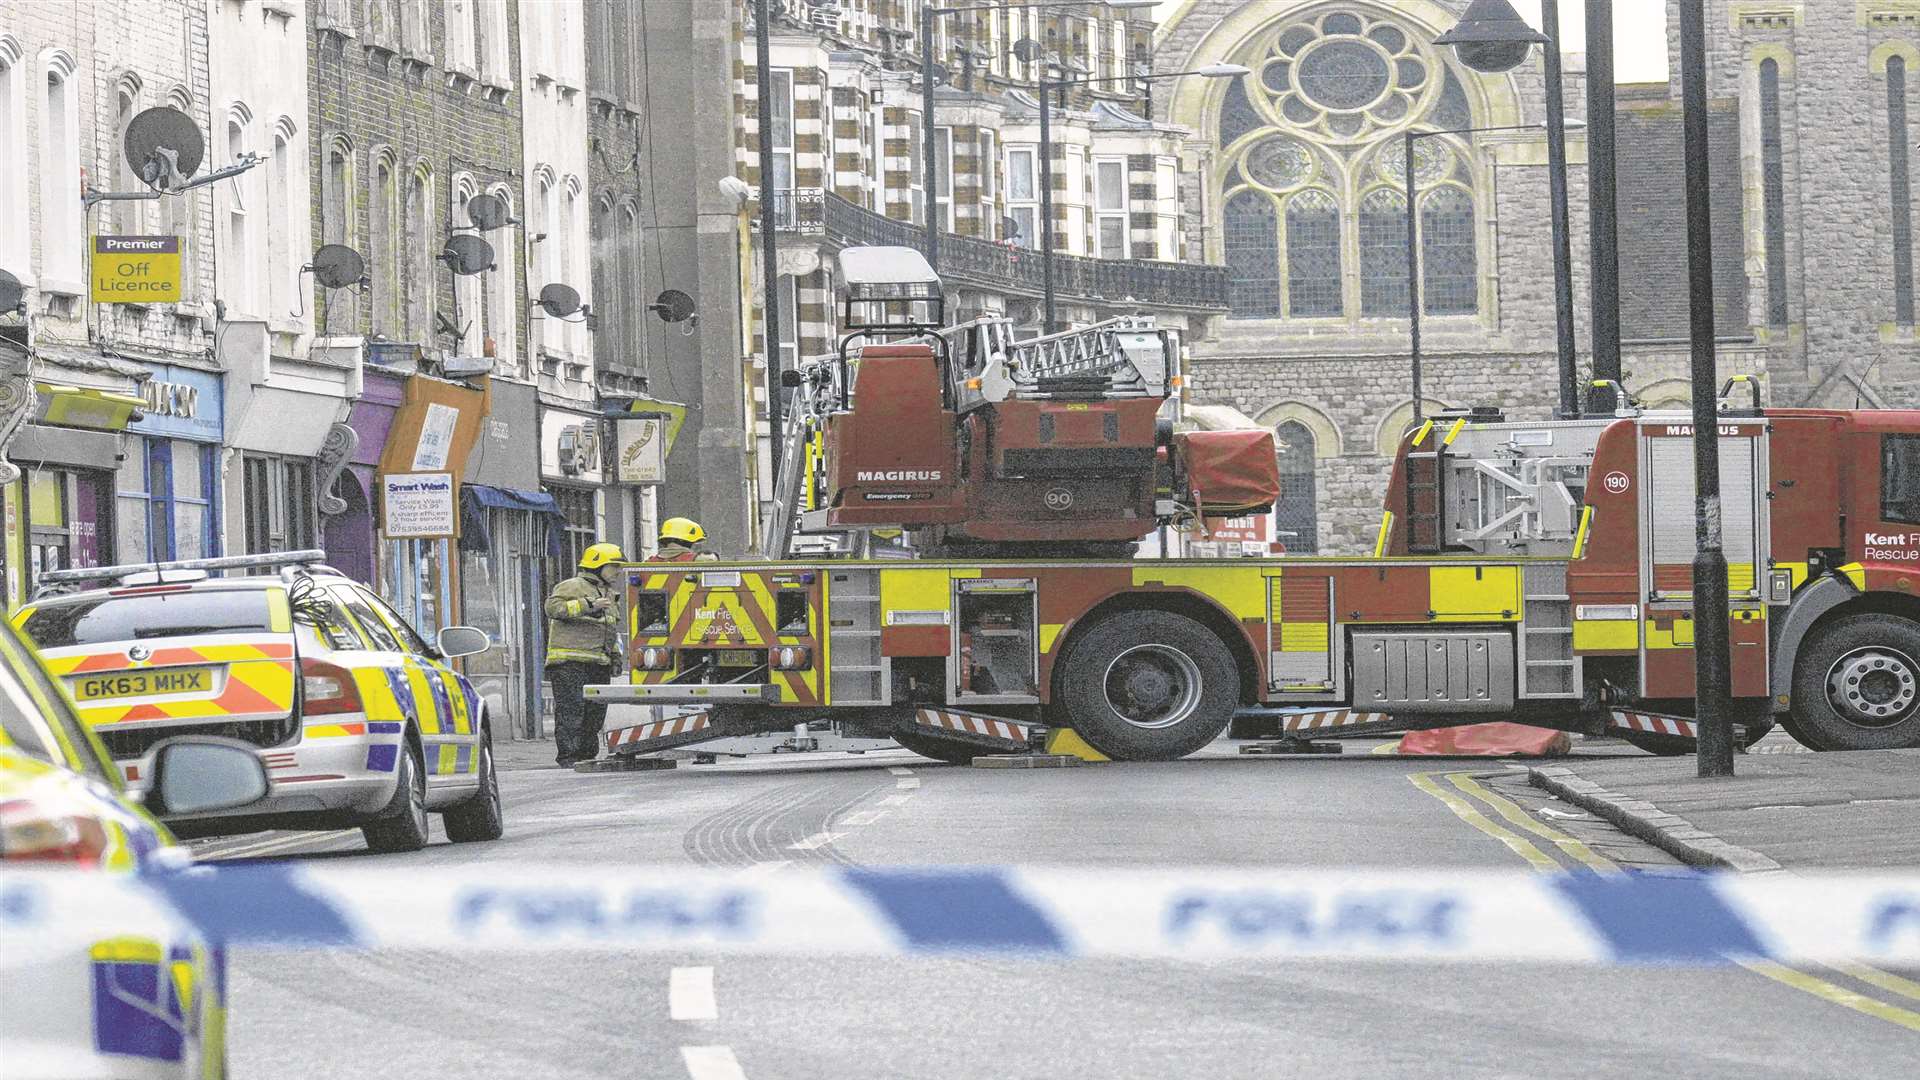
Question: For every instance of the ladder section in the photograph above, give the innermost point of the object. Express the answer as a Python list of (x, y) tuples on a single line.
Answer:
[(1127, 357), (1548, 668), (857, 673), (1426, 501)]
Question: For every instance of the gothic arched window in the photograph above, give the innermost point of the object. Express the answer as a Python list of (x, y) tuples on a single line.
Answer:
[(1383, 253), (1313, 255), (1296, 522), (1316, 129), (1253, 257), (1449, 279)]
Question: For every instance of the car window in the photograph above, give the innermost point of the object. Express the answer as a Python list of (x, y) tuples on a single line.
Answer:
[(1900, 479), (36, 718), (379, 634), (412, 638), (104, 617), (320, 610)]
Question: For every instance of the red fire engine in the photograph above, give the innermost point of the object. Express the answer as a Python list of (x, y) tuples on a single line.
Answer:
[(1537, 571)]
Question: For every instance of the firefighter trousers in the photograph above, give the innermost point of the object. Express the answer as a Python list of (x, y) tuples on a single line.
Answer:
[(576, 721)]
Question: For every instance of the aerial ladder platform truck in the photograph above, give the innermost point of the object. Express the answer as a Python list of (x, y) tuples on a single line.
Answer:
[(1531, 571)]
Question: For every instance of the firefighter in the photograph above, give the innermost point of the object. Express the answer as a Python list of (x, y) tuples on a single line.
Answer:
[(680, 542), (583, 648)]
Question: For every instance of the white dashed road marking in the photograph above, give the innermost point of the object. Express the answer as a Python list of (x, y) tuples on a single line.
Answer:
[(816, 841), (690, 994), (895, 800), (911, 783), (898, 771), (711, 1063), (864, 817)]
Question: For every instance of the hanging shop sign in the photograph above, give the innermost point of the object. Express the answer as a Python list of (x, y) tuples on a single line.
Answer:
[(417, 506), (136, 269), (435, 427), (642, 451), (570, 447)]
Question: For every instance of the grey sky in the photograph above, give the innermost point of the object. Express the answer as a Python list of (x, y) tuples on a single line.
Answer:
[(1639, 33)]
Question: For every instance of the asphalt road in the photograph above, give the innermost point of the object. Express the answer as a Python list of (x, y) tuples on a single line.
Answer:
[(445, 1016)]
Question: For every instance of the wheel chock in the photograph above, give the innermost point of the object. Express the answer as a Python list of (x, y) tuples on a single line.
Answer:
[(624, 764), (1068, 741), (1293, 746), (1027, 761)]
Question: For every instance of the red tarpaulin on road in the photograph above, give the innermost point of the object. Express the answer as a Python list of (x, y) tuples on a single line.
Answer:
[(1488, 740)]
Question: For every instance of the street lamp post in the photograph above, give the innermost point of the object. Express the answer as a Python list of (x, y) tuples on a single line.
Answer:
[(930, 163), (1603, 214), (1491, 37), (1046, 90)]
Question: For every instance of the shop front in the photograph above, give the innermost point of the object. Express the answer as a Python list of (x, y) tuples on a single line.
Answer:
[(573, 472), (167, 492), (282, 415), (508, 525), (415, 493), (61, 458)]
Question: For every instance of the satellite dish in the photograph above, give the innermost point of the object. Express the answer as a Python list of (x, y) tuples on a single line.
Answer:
[(467, 254), (1009, 228), (164, 146), (11, 293), (941, 76), (559, 301), (673, 306), (1027, 50), (488, 212), (337, 266)]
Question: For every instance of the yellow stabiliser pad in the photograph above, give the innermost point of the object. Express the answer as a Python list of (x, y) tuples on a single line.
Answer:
[(1067, 741)]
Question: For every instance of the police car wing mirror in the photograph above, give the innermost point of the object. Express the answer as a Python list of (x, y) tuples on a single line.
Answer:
[(201, 774), (458, 641)]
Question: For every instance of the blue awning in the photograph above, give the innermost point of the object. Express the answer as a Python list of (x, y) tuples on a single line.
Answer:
[(477, 499)]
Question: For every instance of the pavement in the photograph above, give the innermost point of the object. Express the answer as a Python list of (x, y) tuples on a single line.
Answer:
[(1853, 810), (695, 1017)]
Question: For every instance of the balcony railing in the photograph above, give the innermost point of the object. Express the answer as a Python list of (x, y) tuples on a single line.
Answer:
[(980, 263)]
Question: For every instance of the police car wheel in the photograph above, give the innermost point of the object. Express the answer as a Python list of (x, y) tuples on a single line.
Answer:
[(1856, 684), (404, 824), (1148, 686), (479, 817)]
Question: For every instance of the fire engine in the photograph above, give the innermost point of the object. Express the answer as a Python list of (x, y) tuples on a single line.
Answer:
[(1531, 571)]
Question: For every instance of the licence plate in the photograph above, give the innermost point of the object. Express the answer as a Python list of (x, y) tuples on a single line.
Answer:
[(736, 658), (188, 680)]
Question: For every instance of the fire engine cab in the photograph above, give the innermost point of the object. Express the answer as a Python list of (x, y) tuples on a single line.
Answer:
[(1533, 571)]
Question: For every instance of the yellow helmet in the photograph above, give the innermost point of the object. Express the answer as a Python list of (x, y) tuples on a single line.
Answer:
[(685, 530), (599, 555)]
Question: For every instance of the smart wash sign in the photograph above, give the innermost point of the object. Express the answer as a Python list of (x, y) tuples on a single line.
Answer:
[(136, 269)]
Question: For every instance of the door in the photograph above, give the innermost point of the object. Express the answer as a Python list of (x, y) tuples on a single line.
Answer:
[(428, 693), (1667, 548)]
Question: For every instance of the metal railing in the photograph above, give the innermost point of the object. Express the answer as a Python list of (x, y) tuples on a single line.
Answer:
[(799, 210), (980, 263)]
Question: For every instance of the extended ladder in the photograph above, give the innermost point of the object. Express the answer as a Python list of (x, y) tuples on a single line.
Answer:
[(1119, 358)]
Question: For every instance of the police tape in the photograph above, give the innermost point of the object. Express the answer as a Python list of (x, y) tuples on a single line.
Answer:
[(1202, 914)]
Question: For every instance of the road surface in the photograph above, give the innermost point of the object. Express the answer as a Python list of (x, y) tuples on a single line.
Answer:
[(574, 1015)]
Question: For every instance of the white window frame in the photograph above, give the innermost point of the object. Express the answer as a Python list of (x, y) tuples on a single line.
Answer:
[(466, 287), (789, 301), (241, 276), (496, 63), (877, 183), (16, 249), (784, 163), (1105, 212), (281, 281), (505, 306), (1025, 211), (987, 150), (943, 186), (916, 169), (1075, 165), (62, 266), (459, 36)]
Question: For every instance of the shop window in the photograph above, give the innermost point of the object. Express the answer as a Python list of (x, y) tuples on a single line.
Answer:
[(280, 504), (578, 527), (165, 495), (68, 516), (418, 584)]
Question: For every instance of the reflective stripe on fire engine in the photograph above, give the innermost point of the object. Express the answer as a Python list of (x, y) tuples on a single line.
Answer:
[(1330, 718), (1652, 723), (1580, 535), (1380, 542), (968, 724), (658, 729)]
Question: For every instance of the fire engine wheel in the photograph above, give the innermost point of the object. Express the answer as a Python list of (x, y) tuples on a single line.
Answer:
[(951, 751), (403, 824), (1856, 685), (1149, 686)]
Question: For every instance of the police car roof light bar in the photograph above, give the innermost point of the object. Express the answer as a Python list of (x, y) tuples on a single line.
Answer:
[(226, 562)]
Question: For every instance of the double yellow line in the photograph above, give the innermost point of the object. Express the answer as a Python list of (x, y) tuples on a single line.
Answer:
[(1462, 801)]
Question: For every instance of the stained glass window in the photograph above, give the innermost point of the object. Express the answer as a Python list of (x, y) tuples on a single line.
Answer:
[(1253, 257), (1449, 265), (1313, 255), (1453, 112), (1774, 192), (1383, 254), (1237, 116), (1897, 143)]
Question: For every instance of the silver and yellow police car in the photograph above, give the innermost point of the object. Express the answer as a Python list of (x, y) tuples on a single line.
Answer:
[(359, 720)]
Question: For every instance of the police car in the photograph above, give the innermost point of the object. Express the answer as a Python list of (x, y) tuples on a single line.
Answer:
[(139, 995), (359, 720)]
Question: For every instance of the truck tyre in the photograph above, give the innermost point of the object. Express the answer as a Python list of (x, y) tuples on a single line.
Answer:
[(478, 817), (402, 826), (1148, 686), (1856, 684)]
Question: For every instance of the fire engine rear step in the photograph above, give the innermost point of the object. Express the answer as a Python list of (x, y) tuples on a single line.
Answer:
[(651, 735)]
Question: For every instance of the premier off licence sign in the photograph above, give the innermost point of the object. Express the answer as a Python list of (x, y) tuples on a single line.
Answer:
[(136, 269)]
